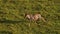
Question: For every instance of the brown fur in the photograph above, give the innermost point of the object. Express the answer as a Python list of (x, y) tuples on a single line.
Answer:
[(34, 17)]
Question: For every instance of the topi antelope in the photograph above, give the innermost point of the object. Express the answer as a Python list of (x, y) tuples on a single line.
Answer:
[(34, 17)]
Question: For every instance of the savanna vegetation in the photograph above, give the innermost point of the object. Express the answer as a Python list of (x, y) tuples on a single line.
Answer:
[(12, 19)]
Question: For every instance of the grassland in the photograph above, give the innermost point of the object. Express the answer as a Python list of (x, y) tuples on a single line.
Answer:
[(12, 19)]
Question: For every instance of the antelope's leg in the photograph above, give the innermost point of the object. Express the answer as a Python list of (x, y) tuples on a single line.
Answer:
[(43, 19)]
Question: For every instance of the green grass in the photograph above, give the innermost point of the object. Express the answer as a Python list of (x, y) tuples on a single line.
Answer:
[(12, 19)]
